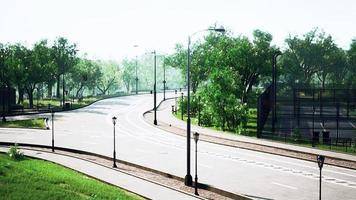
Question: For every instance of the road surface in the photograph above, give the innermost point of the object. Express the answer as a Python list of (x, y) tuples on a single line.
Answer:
[(258, 175)]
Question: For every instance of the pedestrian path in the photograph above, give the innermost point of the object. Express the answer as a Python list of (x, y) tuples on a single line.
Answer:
[(134, 184), (164, 114)]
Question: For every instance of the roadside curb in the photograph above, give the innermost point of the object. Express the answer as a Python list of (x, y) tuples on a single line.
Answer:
[(308, 156), (200, 185)]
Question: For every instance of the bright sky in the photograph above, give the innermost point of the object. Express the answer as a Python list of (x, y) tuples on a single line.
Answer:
[(108, 29)]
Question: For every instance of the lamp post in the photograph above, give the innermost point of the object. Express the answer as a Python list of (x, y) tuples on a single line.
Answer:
[(154, 90), (52, 117), (136, 79), (63, 93), (2, 54), (274, 88), (175, 98), (188, 178), (181, 106), (164, 81), (196, 138), (114, 154), (320, 160)]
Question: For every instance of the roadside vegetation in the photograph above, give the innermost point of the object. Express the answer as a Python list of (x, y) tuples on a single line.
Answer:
[(25, 178), (30, 123)]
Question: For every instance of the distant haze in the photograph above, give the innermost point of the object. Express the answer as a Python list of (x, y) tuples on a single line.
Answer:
[(108, 29)]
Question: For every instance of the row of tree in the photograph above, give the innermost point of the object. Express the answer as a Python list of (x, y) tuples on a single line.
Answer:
[(229, 72), (44, 67), (36, 71)]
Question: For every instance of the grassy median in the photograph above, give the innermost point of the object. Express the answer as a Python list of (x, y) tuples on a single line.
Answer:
[(37, 179), (30, 123)]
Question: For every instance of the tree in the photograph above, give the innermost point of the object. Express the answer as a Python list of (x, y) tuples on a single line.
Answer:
[(64, 55), (351, 57), (37, 62), (85, 74), (109, 79), (302, 55), (128, 73)]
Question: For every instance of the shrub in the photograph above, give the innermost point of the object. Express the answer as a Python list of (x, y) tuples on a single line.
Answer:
[(14, 153)]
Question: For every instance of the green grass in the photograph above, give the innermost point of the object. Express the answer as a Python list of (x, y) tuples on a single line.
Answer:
[(37, 179), (30, 123), (43, 103), (249, 130)]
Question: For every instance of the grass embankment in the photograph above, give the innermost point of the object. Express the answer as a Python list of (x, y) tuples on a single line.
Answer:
[(43, 103), (37, 179), (249, 130), (30, 123)]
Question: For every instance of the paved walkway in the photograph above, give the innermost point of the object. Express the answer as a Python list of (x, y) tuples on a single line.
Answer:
[(164, 115), (136, 185)]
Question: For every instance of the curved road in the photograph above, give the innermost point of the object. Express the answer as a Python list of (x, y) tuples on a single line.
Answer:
[(259, 175)]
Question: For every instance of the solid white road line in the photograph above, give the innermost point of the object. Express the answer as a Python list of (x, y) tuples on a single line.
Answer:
[(283, 185)]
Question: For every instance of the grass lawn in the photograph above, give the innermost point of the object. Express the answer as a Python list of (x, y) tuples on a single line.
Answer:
[(43, 103), (37, 179), (249, 130), (30, 123)]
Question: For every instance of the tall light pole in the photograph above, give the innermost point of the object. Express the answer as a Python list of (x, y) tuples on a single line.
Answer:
[(188, 177), (154, 89), (164, 80), (52, 115), (320, 160), (136, 79), (114, 154), (274, 88)]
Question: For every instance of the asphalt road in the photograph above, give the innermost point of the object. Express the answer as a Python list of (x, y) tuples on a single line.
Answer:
[(259, 175)]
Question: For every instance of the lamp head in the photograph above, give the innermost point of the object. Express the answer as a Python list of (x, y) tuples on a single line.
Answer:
[(196, 137), (320, 159), (114, 120), (220, 30)]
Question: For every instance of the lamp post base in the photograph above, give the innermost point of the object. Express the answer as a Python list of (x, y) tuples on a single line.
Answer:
[(188, 180), (155, 122)]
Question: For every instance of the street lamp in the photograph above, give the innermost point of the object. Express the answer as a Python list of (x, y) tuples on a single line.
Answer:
[(154, 89), (175, 98), (114, 155), (196, 138), (274, 87), (52, 117), (320, 160), (181, 106), (136, 79), (188, 178), (164, 80)]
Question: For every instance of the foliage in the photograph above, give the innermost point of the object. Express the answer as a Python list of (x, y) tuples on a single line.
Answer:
[(297, 136), (30, 123), (14, 153), (34, 179)]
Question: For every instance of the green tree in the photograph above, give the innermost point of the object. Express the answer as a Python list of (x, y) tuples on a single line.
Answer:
[(65, 57), (351, 54), (110, 76), (128, 73), (84, 75)]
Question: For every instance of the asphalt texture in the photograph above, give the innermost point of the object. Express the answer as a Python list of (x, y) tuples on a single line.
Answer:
[(258, 175)]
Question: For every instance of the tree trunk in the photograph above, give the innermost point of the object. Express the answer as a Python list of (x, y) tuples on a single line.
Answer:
[(21, 93), (58, 86), (30, 97), (49, 90)]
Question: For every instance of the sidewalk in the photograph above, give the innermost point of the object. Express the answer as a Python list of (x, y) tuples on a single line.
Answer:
[(112, 176), (170, 123)]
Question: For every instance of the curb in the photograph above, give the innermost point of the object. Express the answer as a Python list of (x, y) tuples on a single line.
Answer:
[(200, 185), (328, 161)]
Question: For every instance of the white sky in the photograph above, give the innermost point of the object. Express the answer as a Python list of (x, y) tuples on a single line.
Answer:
[(108, 29)]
